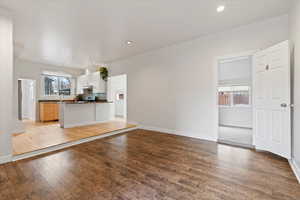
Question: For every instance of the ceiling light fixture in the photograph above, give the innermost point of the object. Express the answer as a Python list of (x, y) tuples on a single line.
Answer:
[(220, 8), (129, 42)]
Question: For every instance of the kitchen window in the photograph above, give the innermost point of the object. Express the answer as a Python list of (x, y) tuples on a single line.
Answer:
[(234, 96), (55, 85)]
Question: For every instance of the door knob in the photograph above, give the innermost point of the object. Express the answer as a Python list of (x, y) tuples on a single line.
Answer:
[(284, 105), (267, 67)]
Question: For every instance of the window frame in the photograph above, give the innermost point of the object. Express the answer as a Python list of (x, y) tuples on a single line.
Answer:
[(43, 92)]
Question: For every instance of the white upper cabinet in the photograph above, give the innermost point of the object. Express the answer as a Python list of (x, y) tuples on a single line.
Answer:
[(97, 82), (93, 79), (82, 81)]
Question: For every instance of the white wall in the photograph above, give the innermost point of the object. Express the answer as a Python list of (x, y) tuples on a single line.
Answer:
[(295, 39), (173, 88), (6, 82), (29, 70)]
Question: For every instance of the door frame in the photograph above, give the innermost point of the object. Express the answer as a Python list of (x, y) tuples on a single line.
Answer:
[(216, 94)]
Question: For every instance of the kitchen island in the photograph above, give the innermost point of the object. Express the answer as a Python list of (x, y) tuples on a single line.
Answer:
[(72, 114)]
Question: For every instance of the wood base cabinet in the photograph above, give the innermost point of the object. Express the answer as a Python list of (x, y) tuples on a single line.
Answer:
[(49, 111)]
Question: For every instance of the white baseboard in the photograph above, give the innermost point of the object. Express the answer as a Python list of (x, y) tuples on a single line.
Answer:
[(151, 128), (181, 133), (296, 169), (66, 145), (5, 159), (248, 146), (196, 135)]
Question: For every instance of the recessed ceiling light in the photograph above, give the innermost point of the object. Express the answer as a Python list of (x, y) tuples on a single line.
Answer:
[(220, 8), (129, 42)]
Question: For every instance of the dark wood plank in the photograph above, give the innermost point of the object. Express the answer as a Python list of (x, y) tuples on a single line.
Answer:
[(150, 165), (39, 135)]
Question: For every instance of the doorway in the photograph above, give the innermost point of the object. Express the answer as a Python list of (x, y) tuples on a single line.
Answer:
[(234, 93), (27, 100), (117, 93)]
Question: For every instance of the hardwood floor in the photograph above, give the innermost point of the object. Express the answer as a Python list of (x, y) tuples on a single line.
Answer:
[(42, 135), (150, 165)]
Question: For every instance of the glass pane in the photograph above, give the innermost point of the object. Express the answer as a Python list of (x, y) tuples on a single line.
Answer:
[(51, 85), (241, 98), (224, 98), (64, 86), (234, 95), (64, 83), (55, 85), (241, 95)]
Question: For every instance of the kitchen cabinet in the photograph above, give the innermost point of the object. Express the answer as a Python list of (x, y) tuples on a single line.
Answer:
[(82, 81), (81, 114), (97, 82), (93, 79), (49, 111)]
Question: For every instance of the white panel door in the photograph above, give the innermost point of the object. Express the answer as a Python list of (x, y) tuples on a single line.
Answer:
[(272, 100), (260, 96)]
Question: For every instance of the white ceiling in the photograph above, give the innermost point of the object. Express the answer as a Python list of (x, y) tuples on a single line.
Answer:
[(81, 32)]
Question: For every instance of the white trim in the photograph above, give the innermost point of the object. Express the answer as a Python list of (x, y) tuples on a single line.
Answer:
[(295, 168), (180, 133), (236, 55), (215, 84), (56, 73), (248, 146), (5, 159), (233, 59), (157, 129), (69, 144), (233, 82)]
